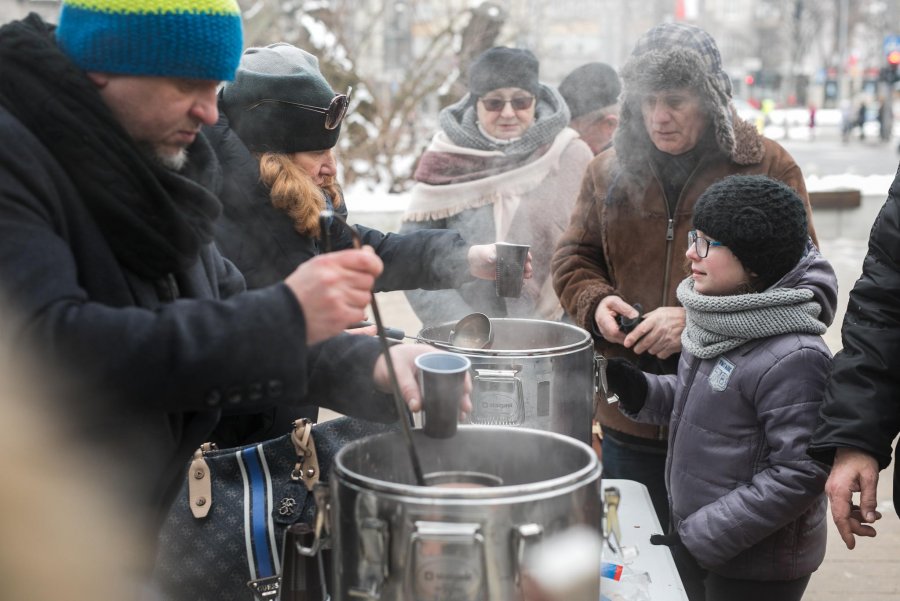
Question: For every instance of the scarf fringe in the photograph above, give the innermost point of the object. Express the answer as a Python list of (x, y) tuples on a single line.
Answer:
[(430, 202)]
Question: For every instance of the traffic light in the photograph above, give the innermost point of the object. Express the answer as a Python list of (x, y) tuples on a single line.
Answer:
[(890, 72)]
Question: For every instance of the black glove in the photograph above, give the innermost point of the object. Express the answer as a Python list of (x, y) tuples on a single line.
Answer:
[(628, 382), (687, 566)]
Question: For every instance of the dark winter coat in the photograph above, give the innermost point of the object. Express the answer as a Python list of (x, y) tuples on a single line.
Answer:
[(262, 242), (862, 400), (746, 499), (148, 363)]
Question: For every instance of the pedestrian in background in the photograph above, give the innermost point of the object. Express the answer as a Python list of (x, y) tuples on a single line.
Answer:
[(678, 133), (747, 502), (592, 93), (504, 167), (860, 417)]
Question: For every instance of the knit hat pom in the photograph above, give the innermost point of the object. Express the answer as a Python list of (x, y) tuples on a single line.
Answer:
[(750, 224), (174, 38), (762, 222)]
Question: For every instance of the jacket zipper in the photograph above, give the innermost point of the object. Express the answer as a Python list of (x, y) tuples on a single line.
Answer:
[(670, 229)]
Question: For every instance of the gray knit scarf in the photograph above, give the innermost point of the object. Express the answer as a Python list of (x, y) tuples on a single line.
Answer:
[(459, 122), (718, 324)]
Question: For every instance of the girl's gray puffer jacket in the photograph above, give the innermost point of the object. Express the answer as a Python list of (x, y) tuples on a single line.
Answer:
[(745, 497)]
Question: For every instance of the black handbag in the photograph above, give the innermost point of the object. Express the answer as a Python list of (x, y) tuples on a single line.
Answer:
[(222, 540)]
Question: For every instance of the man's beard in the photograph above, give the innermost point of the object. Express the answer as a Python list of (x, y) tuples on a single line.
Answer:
[(175, 162)]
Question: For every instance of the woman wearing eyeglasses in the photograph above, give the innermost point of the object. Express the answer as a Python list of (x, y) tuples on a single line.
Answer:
[(747, 503), (280, 120), (505, 167)]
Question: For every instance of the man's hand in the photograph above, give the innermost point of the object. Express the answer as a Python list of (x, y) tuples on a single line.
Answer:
[(605, 317), (853, 471), (334, 289), (483, 262), (404, 356), (659, 333)]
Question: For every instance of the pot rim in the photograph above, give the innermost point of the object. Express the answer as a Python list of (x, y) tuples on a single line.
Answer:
[(586, 340), (578, 477)]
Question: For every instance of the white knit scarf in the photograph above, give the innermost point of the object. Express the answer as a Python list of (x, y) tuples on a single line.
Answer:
[(718, 324)]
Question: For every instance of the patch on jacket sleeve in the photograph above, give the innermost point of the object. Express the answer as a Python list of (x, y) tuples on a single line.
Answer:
[(718, 379)]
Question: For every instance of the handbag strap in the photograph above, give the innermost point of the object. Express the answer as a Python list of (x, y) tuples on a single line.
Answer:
[(307, 467), (199, 482)]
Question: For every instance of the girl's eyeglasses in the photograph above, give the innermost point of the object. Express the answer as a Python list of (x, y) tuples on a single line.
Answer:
[(519, 103), (701, 244), (334, 112)]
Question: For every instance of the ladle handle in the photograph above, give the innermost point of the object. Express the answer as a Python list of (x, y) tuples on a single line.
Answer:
[(399, 404)]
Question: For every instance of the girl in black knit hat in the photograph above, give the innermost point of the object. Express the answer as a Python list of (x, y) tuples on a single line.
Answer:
[(746, 501)]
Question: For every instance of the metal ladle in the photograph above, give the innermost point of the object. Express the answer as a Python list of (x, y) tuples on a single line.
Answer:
[(399, 404), (472, 331)]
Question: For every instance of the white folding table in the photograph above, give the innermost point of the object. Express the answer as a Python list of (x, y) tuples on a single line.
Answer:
[(637, 521)]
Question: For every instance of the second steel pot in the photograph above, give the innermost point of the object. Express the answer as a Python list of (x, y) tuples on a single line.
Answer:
[(536, 374)]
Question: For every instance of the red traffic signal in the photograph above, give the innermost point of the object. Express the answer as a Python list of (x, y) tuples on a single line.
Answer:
[(749, 80), (893, 57)]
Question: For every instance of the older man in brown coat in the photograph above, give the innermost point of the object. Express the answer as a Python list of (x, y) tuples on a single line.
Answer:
[(678, 133)]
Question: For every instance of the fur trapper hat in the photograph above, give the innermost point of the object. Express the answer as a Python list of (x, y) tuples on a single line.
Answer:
[(671, 55)]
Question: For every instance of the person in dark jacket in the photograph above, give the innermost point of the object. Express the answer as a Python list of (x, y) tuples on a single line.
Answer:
[(280, 122), (746, 501), (860, 417), (107, 200), (286, 114)]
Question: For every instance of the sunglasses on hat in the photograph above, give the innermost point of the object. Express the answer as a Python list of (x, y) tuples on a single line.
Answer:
[(334, 112)]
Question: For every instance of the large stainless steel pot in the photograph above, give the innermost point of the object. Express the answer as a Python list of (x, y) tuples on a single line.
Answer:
[(393, 540), (537, 374)]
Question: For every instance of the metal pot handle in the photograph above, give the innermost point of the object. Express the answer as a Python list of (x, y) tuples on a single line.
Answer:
[(524, 536), (601, 388)]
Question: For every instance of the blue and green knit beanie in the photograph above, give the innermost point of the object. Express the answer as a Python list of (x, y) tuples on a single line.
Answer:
[(193, 39)]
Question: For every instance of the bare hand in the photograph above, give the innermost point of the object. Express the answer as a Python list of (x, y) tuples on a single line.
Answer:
[(659, 333), (853, 471), (404, 356), (334, 289), (605, 317), (483, 262)]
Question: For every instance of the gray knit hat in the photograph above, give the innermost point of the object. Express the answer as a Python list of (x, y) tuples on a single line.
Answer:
[(259, 106), (761, 220), (502, 67), (670, 56), (590, 87)]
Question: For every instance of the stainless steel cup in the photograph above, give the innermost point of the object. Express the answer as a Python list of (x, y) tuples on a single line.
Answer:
[(442, 378), (510, 268)]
